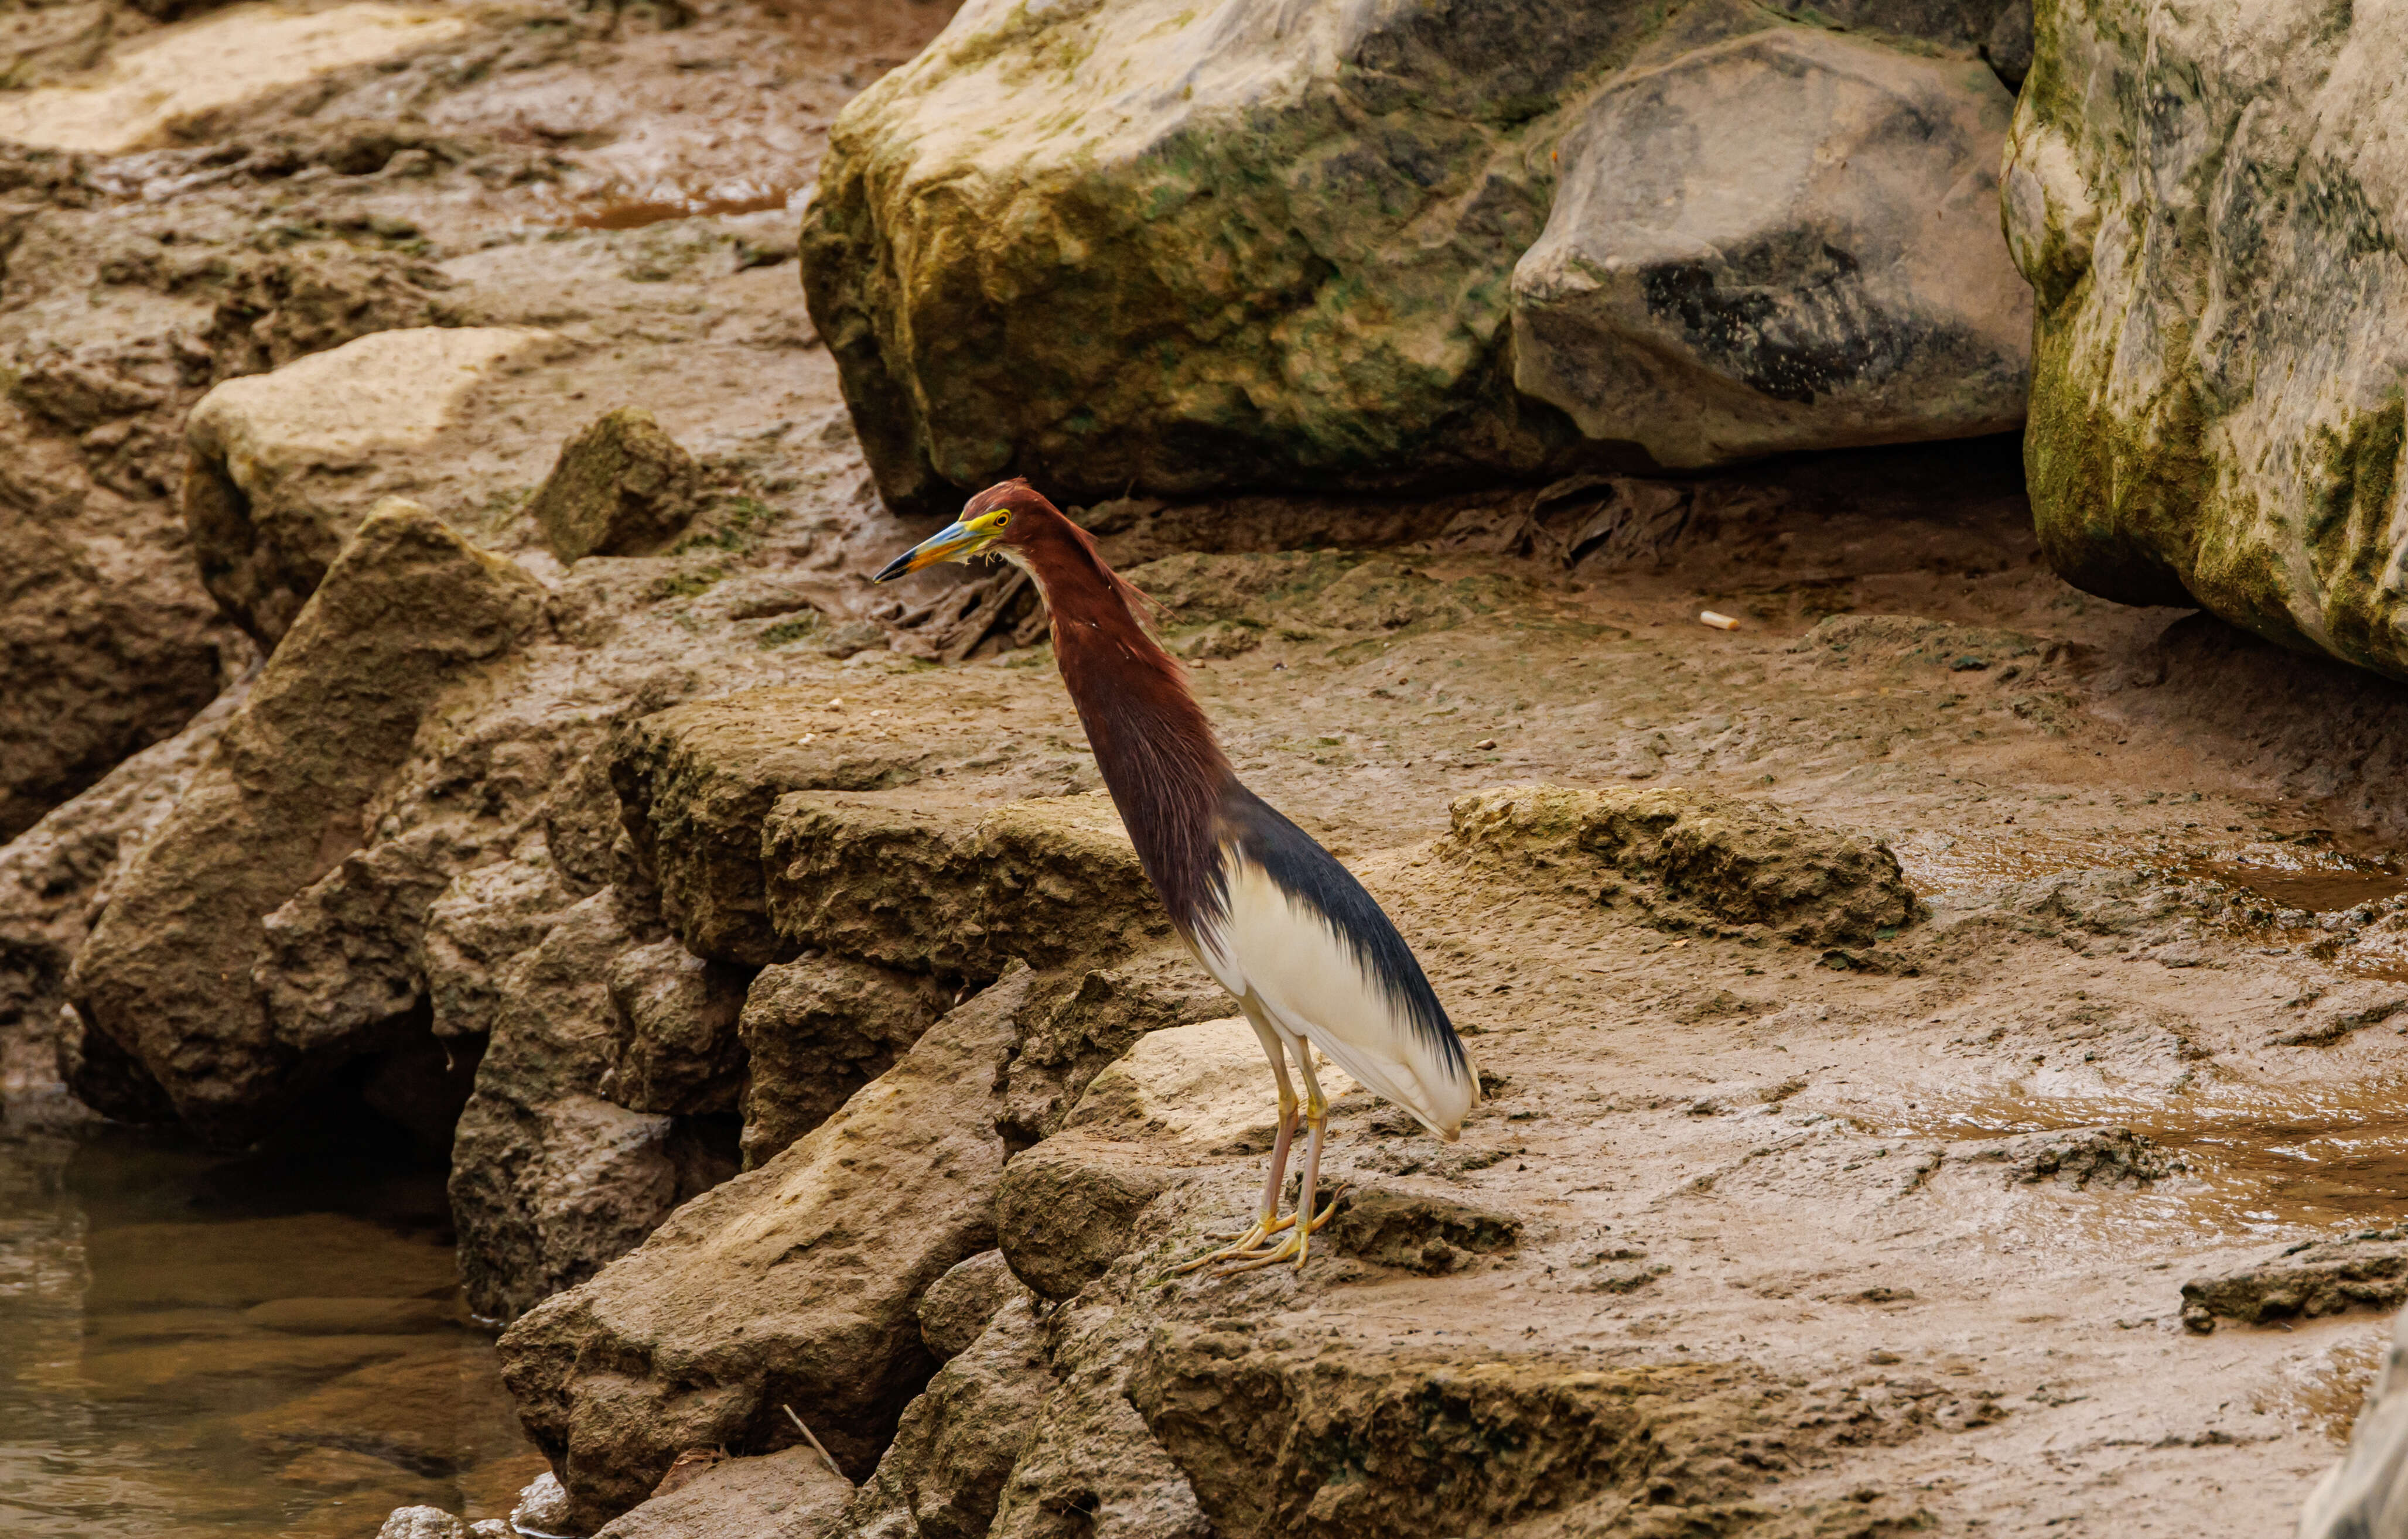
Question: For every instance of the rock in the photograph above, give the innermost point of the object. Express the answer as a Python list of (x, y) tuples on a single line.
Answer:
[(944, 1475), (108, 644), (992, 226), (2365, 1495), (2342, 1012), (958, 1305), (1339, 1439), (406, 610), (688, 1467), (2077, 1157), (1416, 1231), (474, 929), (1782, 242), (1206, 1087), (551, 1182), (2305, 1281), (2216, 414), (796, 1284), (817, 1029), (677, 1045), (1068, 1208), (276, 306), (851, 636), (1089, 1453), (336, 961), (52, 878), (422, 1524), (791, 1494), (1073, 1206), (1093, 1027), (544, 1506), (2000, 31), (285, 465), (1687, 861), (699, 780), (214, 65), (958, 891), (621, 487)]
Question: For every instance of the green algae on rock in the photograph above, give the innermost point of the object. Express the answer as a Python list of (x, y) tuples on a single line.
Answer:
[(1128, 242), (2216, 414)]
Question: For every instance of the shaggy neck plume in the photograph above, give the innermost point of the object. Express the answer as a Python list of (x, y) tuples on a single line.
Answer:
[(1157, 753)]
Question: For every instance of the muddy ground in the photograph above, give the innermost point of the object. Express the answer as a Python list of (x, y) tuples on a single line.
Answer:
[(2156, 856)]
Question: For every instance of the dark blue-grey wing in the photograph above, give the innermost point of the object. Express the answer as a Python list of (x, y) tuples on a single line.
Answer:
[(1312, 877)]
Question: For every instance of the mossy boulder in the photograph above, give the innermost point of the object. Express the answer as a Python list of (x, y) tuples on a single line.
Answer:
[(2208, 215), (623, 487), (1134, 242)]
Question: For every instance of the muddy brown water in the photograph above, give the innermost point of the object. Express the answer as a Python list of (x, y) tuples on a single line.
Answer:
[(2323, 889), (192, 1343), (2259, 1160)]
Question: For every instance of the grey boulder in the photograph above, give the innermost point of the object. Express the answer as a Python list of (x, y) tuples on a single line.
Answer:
[(1784, 241)]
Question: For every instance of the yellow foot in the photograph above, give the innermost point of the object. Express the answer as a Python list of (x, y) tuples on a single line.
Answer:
[(1256, 1236), (1249, 1244), (1296, 1247)]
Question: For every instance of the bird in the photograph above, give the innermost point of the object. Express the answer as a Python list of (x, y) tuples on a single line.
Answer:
[(1310, 956)]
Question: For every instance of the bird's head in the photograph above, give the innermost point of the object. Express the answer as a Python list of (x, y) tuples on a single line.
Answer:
[(993, 522)]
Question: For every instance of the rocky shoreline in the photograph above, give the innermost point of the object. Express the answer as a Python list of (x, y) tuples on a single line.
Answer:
[(436, 526)]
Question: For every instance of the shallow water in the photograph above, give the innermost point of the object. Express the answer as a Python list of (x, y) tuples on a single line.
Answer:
[(271, 1344), (2261, 1160), (2319, 882)]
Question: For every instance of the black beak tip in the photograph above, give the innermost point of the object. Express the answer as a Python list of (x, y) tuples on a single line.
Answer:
[(894, 568)]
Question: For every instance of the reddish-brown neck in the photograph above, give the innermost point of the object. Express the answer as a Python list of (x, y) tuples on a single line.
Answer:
[(1157, 753)]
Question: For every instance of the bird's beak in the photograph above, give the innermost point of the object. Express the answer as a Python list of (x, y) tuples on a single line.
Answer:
[(955, 542)]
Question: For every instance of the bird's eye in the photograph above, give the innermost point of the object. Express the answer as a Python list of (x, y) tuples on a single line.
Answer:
[(1001, 519)]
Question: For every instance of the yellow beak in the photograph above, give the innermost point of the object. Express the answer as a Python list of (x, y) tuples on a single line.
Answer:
[(955, 542)]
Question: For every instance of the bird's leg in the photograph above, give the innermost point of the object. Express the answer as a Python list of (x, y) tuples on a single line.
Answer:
[(1267, 1222), (1316, 1121), (1298, 1244)]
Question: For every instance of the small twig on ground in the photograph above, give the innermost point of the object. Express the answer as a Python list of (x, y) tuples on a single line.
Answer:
[(814, 1442)]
